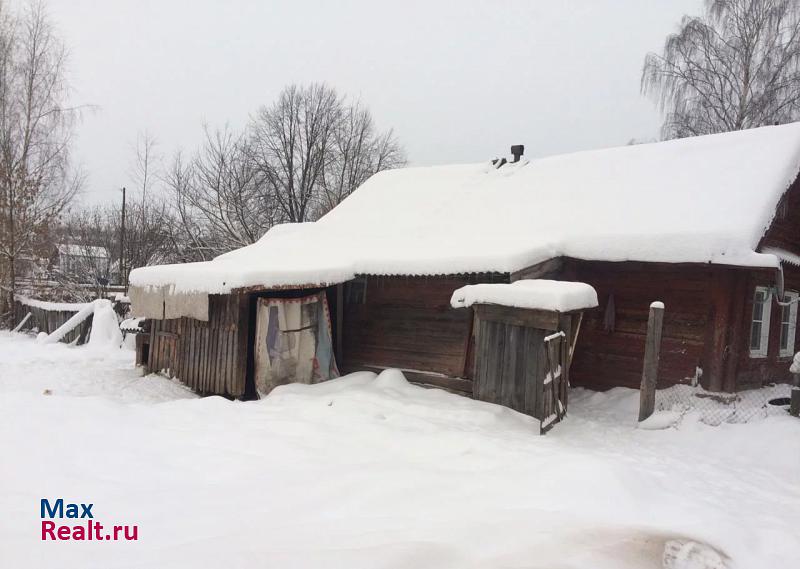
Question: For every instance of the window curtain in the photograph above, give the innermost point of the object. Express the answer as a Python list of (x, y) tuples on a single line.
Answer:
[(293, 342)]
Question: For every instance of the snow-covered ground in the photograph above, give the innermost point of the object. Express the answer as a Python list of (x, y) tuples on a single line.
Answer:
[(374, 473)]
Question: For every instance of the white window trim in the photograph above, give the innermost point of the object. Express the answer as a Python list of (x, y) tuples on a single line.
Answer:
[(789, 351), (763, 349)]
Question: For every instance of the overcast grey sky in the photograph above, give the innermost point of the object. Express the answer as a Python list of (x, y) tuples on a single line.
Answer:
[(459, 81)]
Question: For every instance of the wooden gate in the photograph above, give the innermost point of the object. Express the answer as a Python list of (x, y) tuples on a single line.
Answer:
[(522, 359), (555, 389)]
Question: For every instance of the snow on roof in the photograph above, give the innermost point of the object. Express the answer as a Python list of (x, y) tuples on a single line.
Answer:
[(783, 255), (707, 199), (562, 296), (77, 250)]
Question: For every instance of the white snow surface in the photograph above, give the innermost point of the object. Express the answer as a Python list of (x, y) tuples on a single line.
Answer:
[(661, 420), (783, 255), (105, 332), (46, 305), (78, 250), (370, 472), (706, 199), (795, 366), (542, 294)]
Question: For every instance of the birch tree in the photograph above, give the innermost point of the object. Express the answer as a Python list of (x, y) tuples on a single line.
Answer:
[(36, 126), (736, 67)]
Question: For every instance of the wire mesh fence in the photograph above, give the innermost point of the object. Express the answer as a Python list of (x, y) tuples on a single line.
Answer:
[(717, 408)]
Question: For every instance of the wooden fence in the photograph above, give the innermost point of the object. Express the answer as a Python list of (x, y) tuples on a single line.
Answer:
[(47, 317), (210, 357)]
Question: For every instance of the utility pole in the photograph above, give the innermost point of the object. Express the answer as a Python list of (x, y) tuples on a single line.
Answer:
[(122, 276)]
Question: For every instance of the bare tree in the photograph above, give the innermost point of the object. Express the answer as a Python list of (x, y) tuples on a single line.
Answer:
[(86, 262), (188, 234), (94, 233), (297, 159), (147, 215), (291, 141), (36, 126), (221, 202), (737, 67), (358, 152), (146, 166), (313, 147), (147, 234)]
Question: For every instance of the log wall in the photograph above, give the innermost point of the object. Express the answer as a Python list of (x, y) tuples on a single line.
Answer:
[(408, 323), (783, 233), (755, 372), (697, 322)]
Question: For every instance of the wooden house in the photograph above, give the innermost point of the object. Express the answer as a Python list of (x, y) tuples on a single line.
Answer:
[(708, 225)]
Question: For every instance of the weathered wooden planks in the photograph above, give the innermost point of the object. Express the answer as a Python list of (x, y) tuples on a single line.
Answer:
[(511, 362), (49, 320), (647, 392), (606, 359), (407, 322), (210, 357)]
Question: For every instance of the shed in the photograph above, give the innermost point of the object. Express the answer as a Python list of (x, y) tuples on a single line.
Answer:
[(525, 335), (705, 224)]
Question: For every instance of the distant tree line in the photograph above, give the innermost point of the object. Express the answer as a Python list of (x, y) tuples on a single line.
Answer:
[(295, 160), (37, 182), (735, 67)]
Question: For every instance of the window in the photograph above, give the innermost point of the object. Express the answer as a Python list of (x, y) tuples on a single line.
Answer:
[(759, 329), (788, 325)]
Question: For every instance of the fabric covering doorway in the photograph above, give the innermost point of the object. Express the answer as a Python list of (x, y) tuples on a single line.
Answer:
[(293, 342)]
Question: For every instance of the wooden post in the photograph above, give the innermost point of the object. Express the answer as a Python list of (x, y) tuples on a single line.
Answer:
[(339, 353), (123, 279), (794, 406), (652, 349)]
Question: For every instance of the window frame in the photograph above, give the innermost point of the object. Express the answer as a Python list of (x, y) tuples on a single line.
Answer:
[(763, 349), (788, 352)]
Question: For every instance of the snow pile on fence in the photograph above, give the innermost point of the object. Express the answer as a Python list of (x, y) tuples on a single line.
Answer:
[(105, 328), (562, 296), (51, 306), (706, 199)]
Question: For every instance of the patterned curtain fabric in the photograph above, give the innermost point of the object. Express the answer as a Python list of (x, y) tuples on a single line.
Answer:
[(293, 342)]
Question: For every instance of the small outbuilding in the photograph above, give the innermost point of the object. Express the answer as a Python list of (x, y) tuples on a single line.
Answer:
[(525, 336)]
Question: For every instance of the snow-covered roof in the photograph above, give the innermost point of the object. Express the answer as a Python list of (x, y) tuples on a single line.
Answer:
[(701, 200), (783, 255), (77, 250), (563, 296)]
